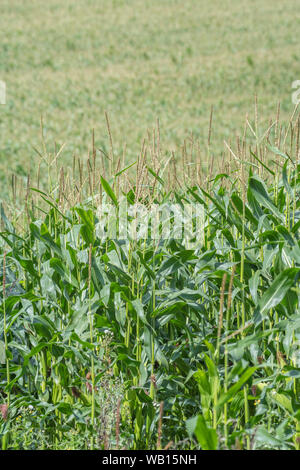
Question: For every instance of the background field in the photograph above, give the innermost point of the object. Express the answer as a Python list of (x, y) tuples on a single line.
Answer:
[(70, 61)]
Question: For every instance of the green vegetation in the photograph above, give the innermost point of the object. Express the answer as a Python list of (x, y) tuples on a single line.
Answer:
[(111, 341), (70, 61), (142, 343)]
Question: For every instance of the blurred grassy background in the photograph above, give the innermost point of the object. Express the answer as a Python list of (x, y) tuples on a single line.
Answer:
[(139, 59)]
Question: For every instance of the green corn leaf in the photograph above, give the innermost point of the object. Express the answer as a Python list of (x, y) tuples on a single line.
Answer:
[(278, 289), (206, 436)]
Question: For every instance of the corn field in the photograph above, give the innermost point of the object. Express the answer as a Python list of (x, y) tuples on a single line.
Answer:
[(142, 342)]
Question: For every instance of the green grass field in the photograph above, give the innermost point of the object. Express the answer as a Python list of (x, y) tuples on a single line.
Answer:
[(139, 60)]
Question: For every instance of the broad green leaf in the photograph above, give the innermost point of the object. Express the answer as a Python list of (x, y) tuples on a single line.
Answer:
[(109, 191), (276, 292), (206, 436), (225, 397)]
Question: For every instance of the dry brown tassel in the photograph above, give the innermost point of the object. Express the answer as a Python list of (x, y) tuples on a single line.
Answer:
[(4, 411)]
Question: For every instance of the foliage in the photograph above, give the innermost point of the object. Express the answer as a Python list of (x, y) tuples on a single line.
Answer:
[(210, 330)]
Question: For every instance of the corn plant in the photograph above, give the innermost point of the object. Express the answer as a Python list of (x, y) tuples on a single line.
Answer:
[(202, 338)]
